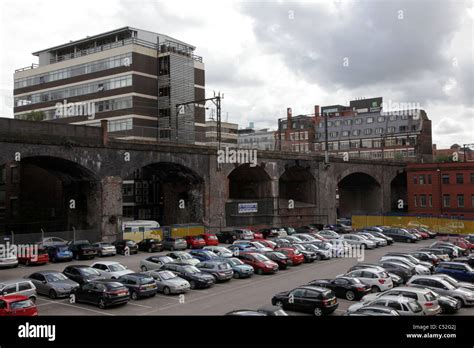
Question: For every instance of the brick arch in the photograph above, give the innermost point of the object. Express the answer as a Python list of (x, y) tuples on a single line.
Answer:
[(354, 170)]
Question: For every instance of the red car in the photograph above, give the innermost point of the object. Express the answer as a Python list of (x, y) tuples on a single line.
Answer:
[(210, 239), (17, 305), (258, 235), (33, 257), (259, 262), (295, 256), (195, 242), (265, 242), (423, 235)]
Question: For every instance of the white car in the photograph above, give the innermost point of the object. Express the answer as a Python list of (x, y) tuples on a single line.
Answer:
[(220, 251), (154, 262), (377, 240), (377, 280), (9, 261), (403, 305), (259, 246), (105, 249), (329, 234), (425, 297), (111, 269), (419, 269)]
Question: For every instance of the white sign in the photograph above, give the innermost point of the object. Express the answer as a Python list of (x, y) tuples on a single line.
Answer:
[(248, 208)]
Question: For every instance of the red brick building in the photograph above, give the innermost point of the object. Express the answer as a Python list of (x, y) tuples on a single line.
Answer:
[(441, 189)]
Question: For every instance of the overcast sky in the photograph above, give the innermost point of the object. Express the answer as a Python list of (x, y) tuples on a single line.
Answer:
[(269, 55)]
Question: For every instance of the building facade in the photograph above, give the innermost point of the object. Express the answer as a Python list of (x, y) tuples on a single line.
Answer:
[(296, 133), (229, 134), (131, 77), (441, 189), (262, 139)]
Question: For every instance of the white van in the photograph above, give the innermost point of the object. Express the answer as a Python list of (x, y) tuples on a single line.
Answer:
[(140, 229)]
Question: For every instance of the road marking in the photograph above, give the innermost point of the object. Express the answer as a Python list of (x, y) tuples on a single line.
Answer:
[(138, 305), (80, 307)]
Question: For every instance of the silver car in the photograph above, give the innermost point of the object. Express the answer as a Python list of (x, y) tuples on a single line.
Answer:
[(220, 251), (168, 282), (377, 240), (174, 243), (154, 262), (403, 305), (18, 287), (9, 261), (105, 249), (354, 239), (183, 257), (52, 283)]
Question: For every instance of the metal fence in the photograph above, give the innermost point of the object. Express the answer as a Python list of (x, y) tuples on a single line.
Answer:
[(31, 238)]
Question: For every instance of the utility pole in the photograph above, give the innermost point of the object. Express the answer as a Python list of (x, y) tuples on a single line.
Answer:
[(326, 142)]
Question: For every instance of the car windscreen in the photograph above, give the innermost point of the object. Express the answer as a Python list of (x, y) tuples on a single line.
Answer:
[(415, 306), (223, 266), (261, 257), (88, 271), (191, 269), (165, 275), (235, 261), (55, 277), (21, 304), (116, 267), (146, 280)]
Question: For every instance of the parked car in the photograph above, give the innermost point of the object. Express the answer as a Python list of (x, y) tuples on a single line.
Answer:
[(111, 269), (344, 287), (203, 255), (241, 247), (17, 306), (426, 257), (329, 234), (429, 232), (289, 230), (403, 305), (400, 235), (52, 283), (82, 273), (219, 251), (266, 243), (252, 244), (380, 235), (241, 270), (122, 245), (21, 287), (321, 254), (309, 255), (82, 249), (150, 245), (448, 304), (386, 267), (50, 241), (105, 249), (196, 278), (373, 311), (339, 228), (425, 297), (257, 235), (277, 257), (59, 252), (378, 241), (102, 293), (227, 237), (154, 262), (272, 232), (8, 261), (457, 270), (377, 280), (403, 271), (34, 257), (412, 259), (457, 251), (307, 298), (354, 239), (447, 250), (210, 239), (453, 281), (443, 287), (169, 283), (295, 257), (139, 285), (440, 253), (264, 311), (220, 270), (244, 234), (468, 260), (183, 257), (419, 269), (174, 243), (259, 262), (195, 242)]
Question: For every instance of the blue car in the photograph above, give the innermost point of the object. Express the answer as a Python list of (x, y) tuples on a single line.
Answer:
[(241, 270), (457, 270), (59, 253), (203, 255)]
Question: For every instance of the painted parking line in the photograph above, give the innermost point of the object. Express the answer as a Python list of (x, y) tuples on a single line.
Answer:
[(75, 306), (138, 305)]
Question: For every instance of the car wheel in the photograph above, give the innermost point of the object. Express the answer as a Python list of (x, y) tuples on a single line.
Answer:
[(460, 301), (279, 304), (408, 240), (77, 257), (318, 312), (318, 257), (192, 283), (27, 262), (375, 289), (236, 275), (52, 294), (144, 269), (259, 271), (166, 290), (101, 303), (350, 296), (134, 296), (53, 259), (364, 246), (150, 250)]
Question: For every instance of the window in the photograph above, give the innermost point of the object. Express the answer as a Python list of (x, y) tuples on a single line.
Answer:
[(348, 122), (378, 130), (345, 133), (10, 289), (24, 286), (416, 200), (459, 178), (391, 130), (460, 199), (446, 200), (430, 201), (422, 201), (381, 119), (367, 131), (356, 132), (370, 120), (393, 118), (429, 179), (415, 179), (422, 179), (358, 121), (445, 178)]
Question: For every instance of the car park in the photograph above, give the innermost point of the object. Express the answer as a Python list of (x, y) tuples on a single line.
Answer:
[(82, 273), (308, 298), (105, 249), (126, 244), (169, 283), (52, 283), (210, 238), (196, 278), (457, 270), (278, 257), (17, 306), (154, 262), (183, 257), (29, 256), (111, 269), (102, 293), (295, 257), (150, 245), (59, 252), (174, 243), (219, 251), (400, 235), (195, 242), (241, 270), (82, 249), (21, 287), (139, 285), (260, 263), (354, 239), (377, 280), (220, 270), (403, 305), (344, 287)]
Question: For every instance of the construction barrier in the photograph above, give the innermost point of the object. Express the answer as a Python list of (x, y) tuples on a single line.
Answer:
[(436, 224)]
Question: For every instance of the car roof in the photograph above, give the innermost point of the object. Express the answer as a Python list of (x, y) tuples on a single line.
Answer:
[(385, 309), (396, 298), (106, 262), (13, 281), (412, 289), (313, 287), (13, 298)]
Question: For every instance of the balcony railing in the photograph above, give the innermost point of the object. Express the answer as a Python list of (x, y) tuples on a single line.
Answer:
[(32, 66)]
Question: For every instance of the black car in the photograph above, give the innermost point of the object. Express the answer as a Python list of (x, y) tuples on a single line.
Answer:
[(139, 285), (344, 287), (449, 305), (82, 249), (380, 235), (269, 233), (400, 235), (309, 255), (307, 298), (82, 273), (120, 246), (150, 245), (103, 293), (401, 270), (280, 258), (196, 278), (289, 230), (227, 237)]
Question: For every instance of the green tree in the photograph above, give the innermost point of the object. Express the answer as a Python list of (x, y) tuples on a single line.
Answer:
[(35, 116)]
